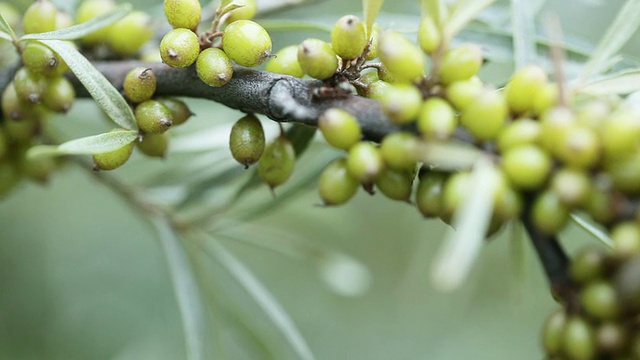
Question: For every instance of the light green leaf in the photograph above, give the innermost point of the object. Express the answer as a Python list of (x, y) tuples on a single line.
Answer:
[(95, 144), (371, 8), (102, 91), (5, 36), (618, 33), (471, 221), (591, 229), (622, 82), (436, 9), (186, 290), (6, 28), (463, 12), (524, 32), (265, 300), (80, 30), (449, 155)]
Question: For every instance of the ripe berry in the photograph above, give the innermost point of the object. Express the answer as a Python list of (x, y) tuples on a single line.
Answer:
[(246, 12), (41, 60), (39, 17), (401, 102), (277, 162), (365, 162), (113, 159), (339, 128), (246, 140), (317, 59), (246, 43), (549, 214), (526, 166), (600, 300), (460, 64), (140, 84), (180, 112), (399, 150), (59, 95), (336, 185), (30, 87), (429, 36), (436, 119), (152, 117), (523, 84), (462, 93), (286, 62), (485, 115), (349, 37), (120, 37), (89, 9), (154, 145), (519, 132), (395, 184), (183, 13), (214, 67), (179, 48), (402, 57)]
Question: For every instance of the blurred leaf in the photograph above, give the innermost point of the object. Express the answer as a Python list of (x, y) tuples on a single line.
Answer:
[(436, 9), (518, 249), (263, 298), (618, 33), (449, 155), (591, 229), (524, 32), (463, 12), (5, 28), (622, 82), (102, 91), (5, 36), (80, 30), (186, 290), (301, 136), (371, 8), (95, 144), (280, 25), (471, 221)]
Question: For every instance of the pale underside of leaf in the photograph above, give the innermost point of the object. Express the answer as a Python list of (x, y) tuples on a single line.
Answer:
[(95, 144), (524, 32), (623, 82), (6, 28), (591, 229), (463, 12), (435, 9), (449, 155)]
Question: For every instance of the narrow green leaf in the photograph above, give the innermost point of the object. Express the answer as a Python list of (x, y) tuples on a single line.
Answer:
[(80, 30), (186, 291), (371, 8), (618, 33), (591, 229), (622, 82), (301, 137), (5, 36), (436, 9), (524, 32), (87, 145), (263, 298), (102, 91), (471, 221), (462, 13), (6, 28)]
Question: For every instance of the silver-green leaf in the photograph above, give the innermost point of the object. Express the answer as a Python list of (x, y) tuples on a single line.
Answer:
[(622, 82), (95, 144), (462, 13), (6, 28), (524, 32)]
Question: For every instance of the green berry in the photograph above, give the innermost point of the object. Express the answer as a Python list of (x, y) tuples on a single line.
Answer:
[(277, 162), (13, 107), (429, 194), (365, 162), (140, 84), (554, 123), (120, 37), (626, 239), (579, 147), (525, 82), (456, 188), (183, 13), (317, 59), (460, 64), (41, 60), (39, 17), (246, 140), (600, 205), (553, 331), (349, 37), (578, 339), (507, 202), (625, 173), (246, 12), (377, 89), (572, 186), (462, 93), (401, 102), (179, 48), (527, 166), (400, 150), (37, 169), (214, 67), (90, 9), (402, 57), (395, 184), (4, 142), (429, 36), (437, 119), (485, 116), (545, 98), (336, 185), (154, 145), (620, 133), (286, 62), (30, 87), (60, 95), (549, 214), (588, 265), (180, 112), (23, 130), (339, 128), (522, 131), (153, 117), (113, 159), (246, 43), (600, 301), (627, 283)]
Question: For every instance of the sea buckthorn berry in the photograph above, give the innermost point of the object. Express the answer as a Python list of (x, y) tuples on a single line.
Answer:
[(436, 119), (588, 265), (578, 339), (286, 62), (180, 112), (336, 185), (456, 188), (13, 107), (246, 12), (395, 184), (89, 9), (525, 82), (30, 87), (113, 159), (59, 96), (429, 36), (277, 162), (179, 48), (183, 13), (462, 93), (579, 146), (140, 84), (349, 37), (625, 173), (526, 166), (246, 140), (460, 64), (39, 17), (10, 14), (246, 43), (377, 89), (317, 59), (41, 60), (120, 37), (63, 20), (627, 283), (549, 214), (600, 205), (365, 162), (555, 122), (429, 194), (594, 113), (507, 202), (620, 133), (400, 150), (552, 332), (545, 98), (401, 102), (626, 239), (373, 41), (23, 130), (339, 128), (402, 57), (154, 145), (600, 301), (153, 117), (385, 75), (485, 116), (37, 169), (519, 132), (572, 186), (214, 67)]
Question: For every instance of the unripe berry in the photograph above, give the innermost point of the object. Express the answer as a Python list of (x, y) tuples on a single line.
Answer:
[(13, 107), (336, 185), (37, 169), (462, 93), (30, 87), (578, 339), (460, 64), (246, 12), (626, 239), (395, 184), (120, 37), (523, 84), (60, 95), (246, 140), (401, 102), (23, 130), (400, 150), (152, 117), (246, 43), (113, 159), (552, 332), (545, 98), (154, 145), (89, 9), (183, 13), (554, 123), (612, 337), (526, 166), (485, 115), (317, 59), (507, 202), (214, 67), (41, 60), (365, 162), (286, 62), (339, 128), (599, 300), (436, 119), (620, 133), (349, 37), (588, 265), (140, 84), (180, 112), (402, 57), (572, 186), (429, 36), (429, 194), (579, 147), (519, 132), (179, 48), (277, 162), (625, 173), (4, 143), (600, 205), (455, 190), (549, 214), (39, 17)]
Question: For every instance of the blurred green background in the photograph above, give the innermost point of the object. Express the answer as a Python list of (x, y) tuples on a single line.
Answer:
[(83, 276)]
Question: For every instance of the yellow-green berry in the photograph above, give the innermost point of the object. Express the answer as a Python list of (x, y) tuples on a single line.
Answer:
[(317, 59), (121, 34), (246, 43), (39, 17), (460, 63), (154, 145), (183, 13), (153, 117), (140, 84), (246, 140), (277, 162), (336, 185), (339, 128), (349, 37), (402, 57), (214, 67), (286, 62), (179, 48)]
